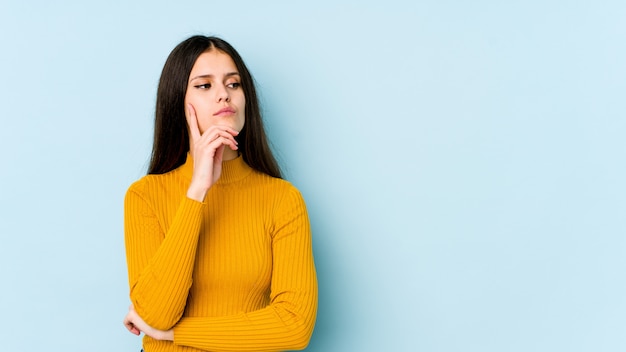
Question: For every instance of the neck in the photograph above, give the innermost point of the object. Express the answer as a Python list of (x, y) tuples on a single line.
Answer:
[(229, 154)]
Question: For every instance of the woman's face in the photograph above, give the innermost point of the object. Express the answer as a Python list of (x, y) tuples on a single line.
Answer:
[(215, 92)]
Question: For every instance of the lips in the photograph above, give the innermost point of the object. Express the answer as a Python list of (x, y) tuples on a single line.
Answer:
[(225, 112)]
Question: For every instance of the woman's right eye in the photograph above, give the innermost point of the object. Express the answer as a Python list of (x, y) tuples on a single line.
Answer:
[(204, 86)]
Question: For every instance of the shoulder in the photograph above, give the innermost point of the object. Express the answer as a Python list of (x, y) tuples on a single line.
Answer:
[(289, 212), (143, 185), (288, 198), (149, 186), (276, 193), (278, 186)]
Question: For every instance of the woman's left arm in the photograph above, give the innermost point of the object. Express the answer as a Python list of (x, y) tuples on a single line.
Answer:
[(287, 322)]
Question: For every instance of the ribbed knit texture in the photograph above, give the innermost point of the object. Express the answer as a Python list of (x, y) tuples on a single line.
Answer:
[(234, 273)]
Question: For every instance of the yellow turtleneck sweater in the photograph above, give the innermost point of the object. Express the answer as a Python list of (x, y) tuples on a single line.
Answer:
[(233, 273)]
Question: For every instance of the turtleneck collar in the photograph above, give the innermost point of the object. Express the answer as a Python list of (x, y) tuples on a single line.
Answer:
[(232, 170)]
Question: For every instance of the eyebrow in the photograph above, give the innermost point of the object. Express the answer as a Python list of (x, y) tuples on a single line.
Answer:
[(229, 74)]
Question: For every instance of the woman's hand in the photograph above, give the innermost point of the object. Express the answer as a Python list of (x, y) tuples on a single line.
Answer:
[(136, 325), (207, 150)]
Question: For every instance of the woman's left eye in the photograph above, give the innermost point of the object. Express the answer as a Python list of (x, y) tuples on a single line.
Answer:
[(234, 85)]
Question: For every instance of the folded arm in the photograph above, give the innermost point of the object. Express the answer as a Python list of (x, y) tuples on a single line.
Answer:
[(160, 264)]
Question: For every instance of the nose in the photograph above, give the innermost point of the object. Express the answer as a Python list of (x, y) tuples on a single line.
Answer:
[(223, 94)]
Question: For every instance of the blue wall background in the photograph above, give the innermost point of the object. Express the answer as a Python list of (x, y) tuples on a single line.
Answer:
[(463, 164)]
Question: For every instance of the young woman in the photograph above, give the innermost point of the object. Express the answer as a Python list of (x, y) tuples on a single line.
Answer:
[(218, 246)]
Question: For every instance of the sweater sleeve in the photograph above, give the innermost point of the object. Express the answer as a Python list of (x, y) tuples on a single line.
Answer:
[(287, 322), (160, 265)]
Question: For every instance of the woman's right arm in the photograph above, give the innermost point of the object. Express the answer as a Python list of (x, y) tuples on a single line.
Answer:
[(160, 265)]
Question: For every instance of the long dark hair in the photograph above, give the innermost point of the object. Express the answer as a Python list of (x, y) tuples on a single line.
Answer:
[(171, 137)]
